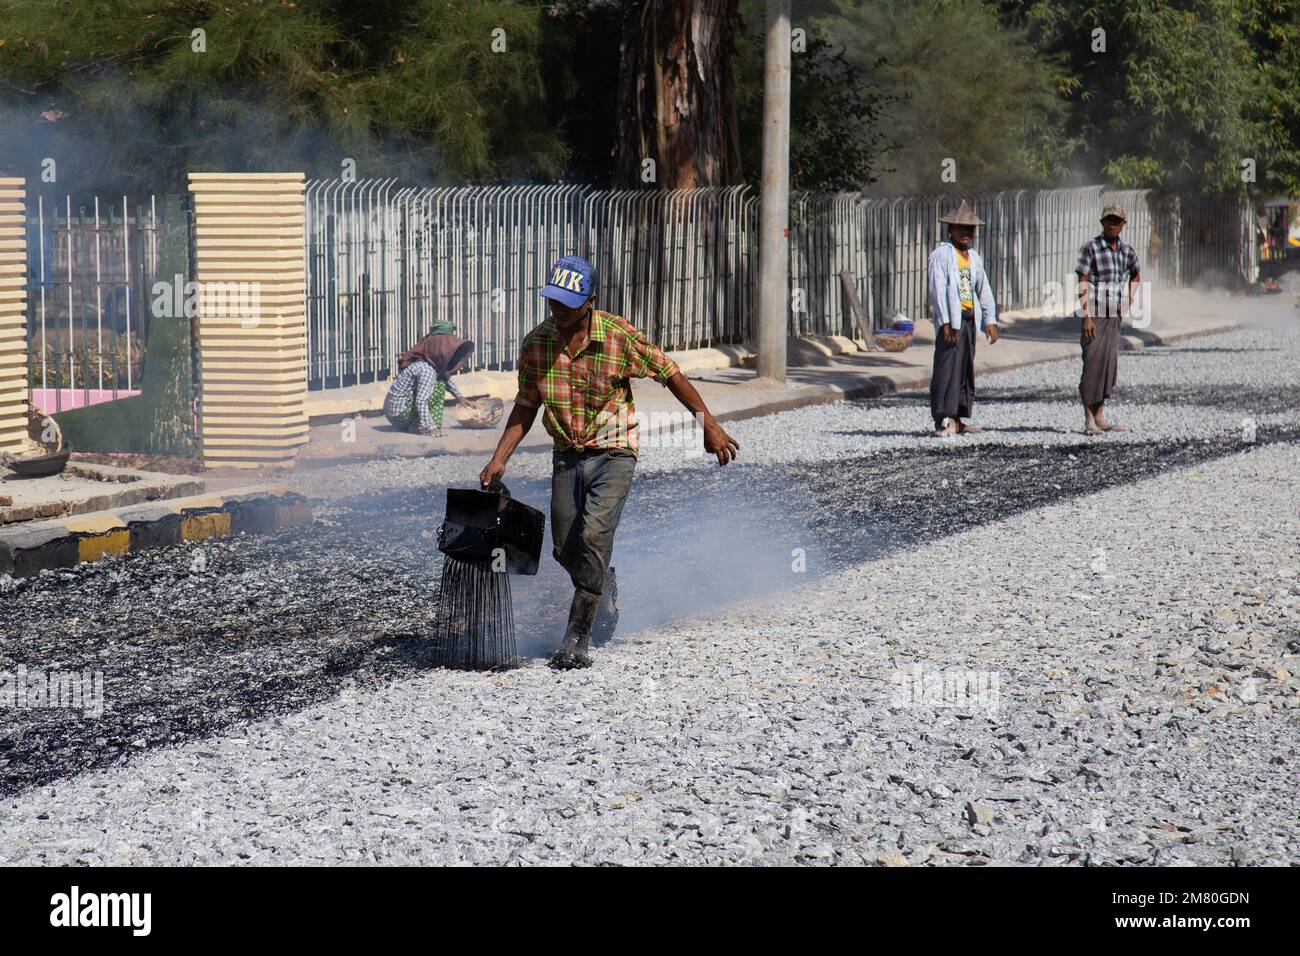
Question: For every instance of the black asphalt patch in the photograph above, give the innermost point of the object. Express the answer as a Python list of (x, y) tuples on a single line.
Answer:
[(885, 502), (1238, 401)]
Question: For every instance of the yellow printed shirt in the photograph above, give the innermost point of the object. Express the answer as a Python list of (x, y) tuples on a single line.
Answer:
[(587, 398), (963, 281)]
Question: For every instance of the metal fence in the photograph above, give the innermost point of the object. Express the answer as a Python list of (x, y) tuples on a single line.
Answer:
[(91, 268), (384, 261)]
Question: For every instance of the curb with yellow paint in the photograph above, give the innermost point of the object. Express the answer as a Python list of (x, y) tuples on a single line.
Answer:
[(202, 527), (96, 546), (63, 542)]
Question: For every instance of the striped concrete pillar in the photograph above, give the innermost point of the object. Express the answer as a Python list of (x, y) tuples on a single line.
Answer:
[(252, 326), (13, 322)]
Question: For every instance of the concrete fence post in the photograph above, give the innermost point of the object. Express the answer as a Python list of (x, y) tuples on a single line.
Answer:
[(252, 330), (13, 316)]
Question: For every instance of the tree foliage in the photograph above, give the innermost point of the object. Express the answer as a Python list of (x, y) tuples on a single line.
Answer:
[(961, 85), (1016, 92), (1273, 30), (118, 93), (1174, 93), (836, 140)]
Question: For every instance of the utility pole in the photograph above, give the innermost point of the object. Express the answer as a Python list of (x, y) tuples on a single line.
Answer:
[(774, 213)]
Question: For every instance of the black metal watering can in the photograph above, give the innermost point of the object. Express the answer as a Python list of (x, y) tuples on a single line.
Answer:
[(491, 526)]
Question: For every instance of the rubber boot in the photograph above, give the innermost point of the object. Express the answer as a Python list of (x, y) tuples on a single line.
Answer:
[(582, 613), (607, 613)]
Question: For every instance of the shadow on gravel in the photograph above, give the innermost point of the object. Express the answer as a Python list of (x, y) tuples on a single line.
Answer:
[(924, 433), (195, 639)]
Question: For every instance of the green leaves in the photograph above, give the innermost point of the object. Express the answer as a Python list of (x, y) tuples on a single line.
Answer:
[(836, 139), (1017, 92), (955, 83), (1178, 97), (408, 88)]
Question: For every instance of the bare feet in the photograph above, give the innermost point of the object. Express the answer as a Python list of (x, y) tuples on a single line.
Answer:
[(963, 428), (1094, 420), (947, 431)]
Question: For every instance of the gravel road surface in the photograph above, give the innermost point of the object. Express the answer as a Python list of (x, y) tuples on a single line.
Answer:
[(1023, 646)]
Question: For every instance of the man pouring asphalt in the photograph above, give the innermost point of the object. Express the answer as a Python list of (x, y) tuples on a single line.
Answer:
[(577, 365)]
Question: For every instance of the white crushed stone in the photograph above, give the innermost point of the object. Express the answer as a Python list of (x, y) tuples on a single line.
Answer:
[(1146, 713)]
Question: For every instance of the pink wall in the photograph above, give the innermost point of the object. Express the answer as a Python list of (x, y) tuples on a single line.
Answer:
[(61, 399)]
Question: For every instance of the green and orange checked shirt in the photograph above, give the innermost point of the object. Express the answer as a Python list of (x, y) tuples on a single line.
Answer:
[(588, 396)]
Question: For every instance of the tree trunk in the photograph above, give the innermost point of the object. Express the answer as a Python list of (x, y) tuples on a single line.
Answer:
[(676, 102)]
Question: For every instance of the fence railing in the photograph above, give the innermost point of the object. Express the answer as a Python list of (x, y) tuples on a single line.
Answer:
[(384, 261), (91, 267)]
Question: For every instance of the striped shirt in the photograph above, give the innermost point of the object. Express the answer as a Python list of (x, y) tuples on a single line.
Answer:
[(1108, 272), (588, 397)]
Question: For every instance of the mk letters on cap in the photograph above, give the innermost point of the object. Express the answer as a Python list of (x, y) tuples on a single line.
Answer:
[(572, 282), (567, 279)]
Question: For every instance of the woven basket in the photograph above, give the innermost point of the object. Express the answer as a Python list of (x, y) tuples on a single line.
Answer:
[(893, 343), (480, 412), (51, 456), (36, 431)]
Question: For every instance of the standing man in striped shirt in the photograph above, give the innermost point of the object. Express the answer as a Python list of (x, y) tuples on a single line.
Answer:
[(1108, 273), (577, 365)]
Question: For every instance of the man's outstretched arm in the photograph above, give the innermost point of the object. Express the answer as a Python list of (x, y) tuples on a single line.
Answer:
[(716, 441), (517, 425)]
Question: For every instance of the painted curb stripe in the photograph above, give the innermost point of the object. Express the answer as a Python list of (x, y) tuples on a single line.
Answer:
[(159, 533), (63, 553), (117, 534), (202, 527), (93, 547)]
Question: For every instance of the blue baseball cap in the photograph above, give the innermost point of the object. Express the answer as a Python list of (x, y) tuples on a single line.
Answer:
[(572, 282)]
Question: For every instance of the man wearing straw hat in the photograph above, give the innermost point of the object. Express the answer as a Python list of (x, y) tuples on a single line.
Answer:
[(961, 304), (1107, 268), (577, 365)]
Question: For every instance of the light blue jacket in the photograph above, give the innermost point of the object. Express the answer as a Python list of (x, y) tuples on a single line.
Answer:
[(945, 296)]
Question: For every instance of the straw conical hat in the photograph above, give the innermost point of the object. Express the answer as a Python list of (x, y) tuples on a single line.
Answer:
[(963, 216)]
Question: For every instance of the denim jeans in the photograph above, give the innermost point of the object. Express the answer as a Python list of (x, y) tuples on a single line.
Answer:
[(588, 490)]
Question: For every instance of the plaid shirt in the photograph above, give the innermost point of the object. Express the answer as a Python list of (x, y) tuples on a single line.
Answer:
[(1108, 272), (588, 396)]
